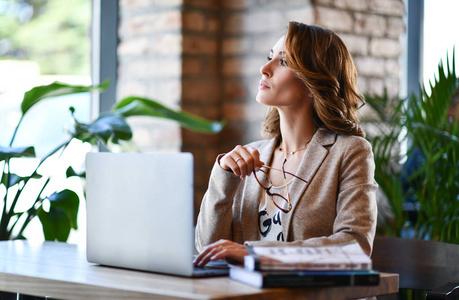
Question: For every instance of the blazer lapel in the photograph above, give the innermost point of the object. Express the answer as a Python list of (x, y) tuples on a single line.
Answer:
[(316, 152)]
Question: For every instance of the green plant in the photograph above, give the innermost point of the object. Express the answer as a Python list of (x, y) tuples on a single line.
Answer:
[(420, 183), (61, 216)]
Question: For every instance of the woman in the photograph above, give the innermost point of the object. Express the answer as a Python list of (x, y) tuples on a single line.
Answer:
[(309, 85)]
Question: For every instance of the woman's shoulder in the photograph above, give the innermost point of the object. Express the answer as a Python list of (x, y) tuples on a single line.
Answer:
[(344, 141), (353, 139), (354, 145)]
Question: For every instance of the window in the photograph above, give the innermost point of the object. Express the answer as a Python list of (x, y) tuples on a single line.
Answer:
[(441, 35), (42, 41)]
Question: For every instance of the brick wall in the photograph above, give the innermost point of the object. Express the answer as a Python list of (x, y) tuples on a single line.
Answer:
[(371, 30), (150, 65), (205, 56)]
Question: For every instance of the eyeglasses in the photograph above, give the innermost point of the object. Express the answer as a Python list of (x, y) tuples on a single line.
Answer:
[(278, 200)]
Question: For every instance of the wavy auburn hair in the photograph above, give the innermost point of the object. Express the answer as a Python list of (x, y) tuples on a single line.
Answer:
[(321, 60)]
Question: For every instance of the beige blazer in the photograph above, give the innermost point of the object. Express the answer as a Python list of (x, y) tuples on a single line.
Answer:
[(338, 204)]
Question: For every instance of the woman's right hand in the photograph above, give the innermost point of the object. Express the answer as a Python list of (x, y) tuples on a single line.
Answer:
[(242, 160)]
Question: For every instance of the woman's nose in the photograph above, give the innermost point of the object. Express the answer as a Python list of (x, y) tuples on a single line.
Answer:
[(265, 70)]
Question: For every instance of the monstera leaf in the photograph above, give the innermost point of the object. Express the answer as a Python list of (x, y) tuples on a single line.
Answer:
[(61, 217), (9, 152), (138, 106), (106, 127)]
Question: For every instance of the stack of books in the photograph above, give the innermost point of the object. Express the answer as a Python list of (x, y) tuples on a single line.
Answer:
[(337, 265)]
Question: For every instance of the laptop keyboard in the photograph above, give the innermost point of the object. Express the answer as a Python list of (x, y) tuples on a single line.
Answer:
[(213, 268)]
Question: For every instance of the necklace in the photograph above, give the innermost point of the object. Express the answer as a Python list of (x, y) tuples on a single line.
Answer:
[(293, 152)]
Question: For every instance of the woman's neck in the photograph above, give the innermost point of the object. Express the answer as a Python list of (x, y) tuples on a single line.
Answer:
[(296, 132)]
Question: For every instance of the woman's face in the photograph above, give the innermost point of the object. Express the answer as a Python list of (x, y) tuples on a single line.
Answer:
[(279, 87)]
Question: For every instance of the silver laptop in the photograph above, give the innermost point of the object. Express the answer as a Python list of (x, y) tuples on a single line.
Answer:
[(140, 213)]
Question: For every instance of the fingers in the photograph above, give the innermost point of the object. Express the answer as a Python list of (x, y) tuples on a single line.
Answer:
[(222, 249), (242, 160), (211, 250)]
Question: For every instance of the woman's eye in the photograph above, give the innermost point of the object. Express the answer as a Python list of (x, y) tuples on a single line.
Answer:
[(282, 61)]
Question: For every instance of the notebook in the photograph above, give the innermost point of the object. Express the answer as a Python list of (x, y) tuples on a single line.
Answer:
[(140, 213)]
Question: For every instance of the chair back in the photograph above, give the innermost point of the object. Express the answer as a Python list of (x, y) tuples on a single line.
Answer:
[(420, 264)]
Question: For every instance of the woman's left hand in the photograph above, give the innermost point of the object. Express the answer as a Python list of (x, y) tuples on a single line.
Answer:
[(223, 249)]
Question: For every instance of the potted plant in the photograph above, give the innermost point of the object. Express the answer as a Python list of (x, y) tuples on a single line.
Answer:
[(61, 216), (416, 148)]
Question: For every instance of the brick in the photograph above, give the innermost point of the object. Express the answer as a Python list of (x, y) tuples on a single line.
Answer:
[(211, 112), (362, 84), (191, 66), (234, 89), (233, 134), (136, 46), (151, 23), (201, 91), (385, 48), (167, 91), (198, 140), (234, 112), (252, 66), (263, 43), (212, 24), (204, 158), (233, 23), (234, 4), (132, 88), (136, 4), (369, 24), (256, 113), (255, 22), (242, 111), (132, 4), (395, 27), (193, 21), (254, 132), (387, 7), (232, 67), (211, 67), (264, 21), (155, 68), (376, 86), (393, 67), (304, 14), (167, 43), (393, 86), (356, 45), (168, 3), (252, 85), (154, 134), (246, 66), (334, 19), (370, 66), (324, 2), (356, 5), (212, 4), (199, 45), (235, 45)]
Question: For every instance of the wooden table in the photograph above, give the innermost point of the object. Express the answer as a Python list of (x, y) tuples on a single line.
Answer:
[(60, 270)]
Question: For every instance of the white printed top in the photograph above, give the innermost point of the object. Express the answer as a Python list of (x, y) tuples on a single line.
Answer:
[(270, 218)]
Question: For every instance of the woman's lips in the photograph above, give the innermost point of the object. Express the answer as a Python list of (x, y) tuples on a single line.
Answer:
[(263, 85)]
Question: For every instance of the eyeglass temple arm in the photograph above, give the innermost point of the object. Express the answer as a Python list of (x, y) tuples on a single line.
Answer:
[(283, 171)]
